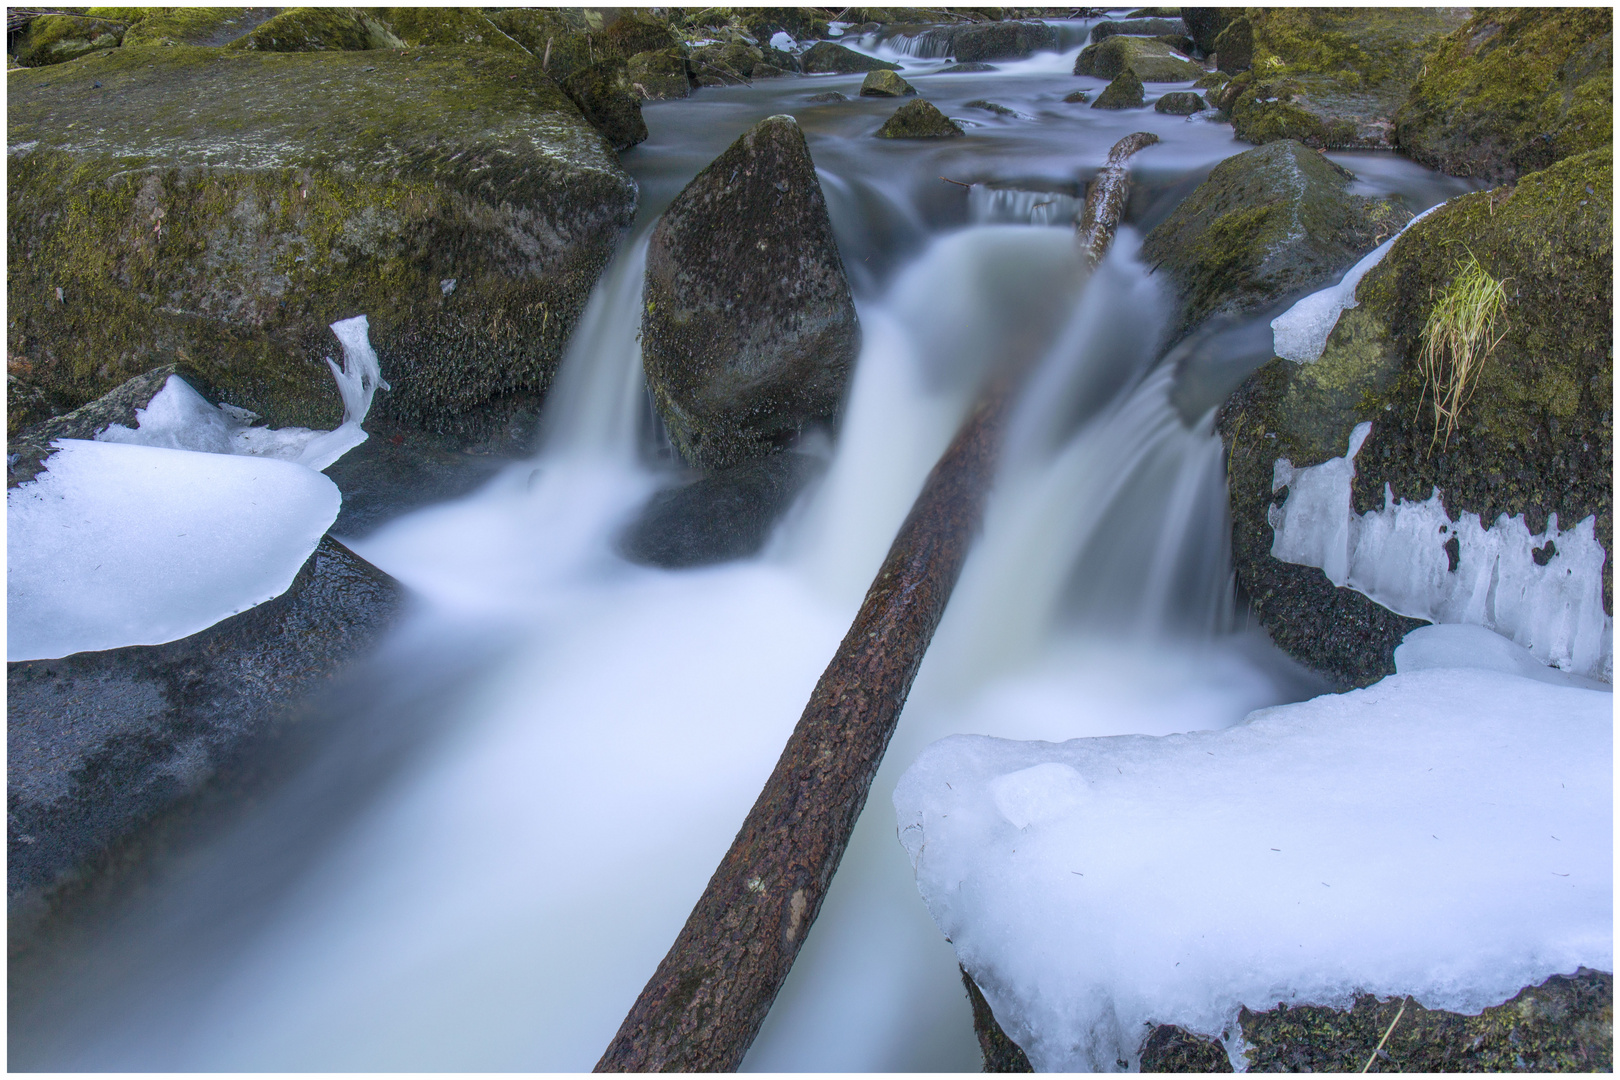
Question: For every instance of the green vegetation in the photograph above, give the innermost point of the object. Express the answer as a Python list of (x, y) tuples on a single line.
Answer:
[(1458, 338), (317, 29), (191, 26), (918, 119)]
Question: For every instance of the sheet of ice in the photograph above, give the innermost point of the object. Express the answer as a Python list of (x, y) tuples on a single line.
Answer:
[(180, 418), (118, 545), (1444, 833), (1415, 560), (1458, 645), (1300, 333)]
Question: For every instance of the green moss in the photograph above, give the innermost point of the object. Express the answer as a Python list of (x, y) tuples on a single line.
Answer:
[(194, 26), (918, 119), (234, 252), (53, 39), (1512, 91), (447, 26), (1153, 61), (1369, 46), (317, 29)]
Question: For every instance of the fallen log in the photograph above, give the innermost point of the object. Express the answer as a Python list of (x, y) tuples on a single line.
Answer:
[(704, 1005)]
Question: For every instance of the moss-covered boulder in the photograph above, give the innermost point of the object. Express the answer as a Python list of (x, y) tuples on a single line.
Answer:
[(1213, 81), (195, 26), (1125, 92), (1204, 25), (1002, 40), (1511, 91), (319, 29), (52, 39), (1153, 61), (606, 98), (748, 327), (1535, 436), (1234, 47), (919, 119), (454, 195), (442, 26), (1179, 103), (1267, 223), (1107, 28), (659, 75), (885, 84), (824, 57)]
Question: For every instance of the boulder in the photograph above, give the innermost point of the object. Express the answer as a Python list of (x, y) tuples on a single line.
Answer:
[(1153, 61), (748, 327), (1268, 223), (1125, 92), (234, 234), (1511, 91), (193, 26), (918, 120), (726, 515), (1179, 103), (1003, 40), (1234, 47), (440, 26), (319, 29), (99, 743), (52, 39), (885, 84), (1535, 436), (731, 62), (1204, 25), (659, 75), (605, 98), (1137, 28), (825, 57)]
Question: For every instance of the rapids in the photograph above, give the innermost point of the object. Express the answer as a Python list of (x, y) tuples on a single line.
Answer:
[(535, 777)]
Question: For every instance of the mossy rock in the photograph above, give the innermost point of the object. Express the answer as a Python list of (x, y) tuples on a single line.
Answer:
[(230, 236), (1153, 61), (825, 57), (1234, 47), (319, 29), (730, 62), (605, 98), (991, 107), (1204, 25), (1143, 27), (749, 331), (195, 26), (885, 84), (1125, 92), (1214, 80), (827, 97), (966, 69), (1076, 97), (447, 26), (659, 75), (559, 38), (1266, 110), (1267, 223), (1179, 103), (801, 24), (918, 119), (53, 39), (1511, 91), (1536, 436), (1565, 1024), (1008, 40)]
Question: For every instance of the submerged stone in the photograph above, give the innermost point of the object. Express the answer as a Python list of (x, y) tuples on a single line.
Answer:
[(236, 222), (824, 98), (885, 84), (1125, 92), (1076, 97), (918, 119), (992, 107), (748, 326), (965, 69)]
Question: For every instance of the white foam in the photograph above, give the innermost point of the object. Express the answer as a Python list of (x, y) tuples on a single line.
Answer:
[(1399, 557), (116, 545), (1300, 333), (1444, 833)]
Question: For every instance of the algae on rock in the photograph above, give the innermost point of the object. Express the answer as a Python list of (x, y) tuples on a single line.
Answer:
[(233, 225)]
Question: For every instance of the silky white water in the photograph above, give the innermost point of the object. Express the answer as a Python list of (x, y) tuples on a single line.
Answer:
[(497, 899)]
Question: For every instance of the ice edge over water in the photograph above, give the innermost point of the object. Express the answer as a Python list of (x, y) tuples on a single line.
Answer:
[(1413, 559)]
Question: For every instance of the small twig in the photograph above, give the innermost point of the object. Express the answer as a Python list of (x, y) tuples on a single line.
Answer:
[(958, 183), (1373, 1056)]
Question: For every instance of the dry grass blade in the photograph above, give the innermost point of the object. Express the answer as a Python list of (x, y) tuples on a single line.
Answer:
[(1458, 337)]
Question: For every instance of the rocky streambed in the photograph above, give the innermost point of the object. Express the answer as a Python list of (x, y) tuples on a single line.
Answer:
[(675, 309)]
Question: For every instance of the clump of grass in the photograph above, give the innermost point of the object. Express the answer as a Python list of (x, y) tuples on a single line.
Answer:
[(1458, 338)]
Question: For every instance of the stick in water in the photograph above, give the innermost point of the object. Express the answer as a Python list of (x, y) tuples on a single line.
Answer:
[(704, 1005)]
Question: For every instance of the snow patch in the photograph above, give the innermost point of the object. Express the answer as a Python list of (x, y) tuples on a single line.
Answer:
[(1543, 591), (1444, 833)]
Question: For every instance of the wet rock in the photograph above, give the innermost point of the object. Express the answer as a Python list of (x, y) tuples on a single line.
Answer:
[(605, 98), (236, 234), (918, 120), (825, 57), (1077, 97), (1511, 91), (749, 330), (397, 470), (1179, 103), (99, 743), (965, 69), (1000, 1053), (1125, 92), (726, 515), (1565, 1024), (1204, 25), (659, 75), (1002, 40), (1234, 47), (830, 95), (1267, 223), (885, 84), (1137, 28), (1152, 61), (1536, 436), (1170, 1049), (990, 106), (317, 30)]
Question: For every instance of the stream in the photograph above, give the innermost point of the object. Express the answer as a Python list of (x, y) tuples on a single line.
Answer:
[(538, 772)]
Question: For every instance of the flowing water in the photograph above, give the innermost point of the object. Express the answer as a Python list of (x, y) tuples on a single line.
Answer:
[(487, 859)]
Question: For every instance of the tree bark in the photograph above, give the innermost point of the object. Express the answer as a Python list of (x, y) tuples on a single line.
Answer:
[(704, 1005)]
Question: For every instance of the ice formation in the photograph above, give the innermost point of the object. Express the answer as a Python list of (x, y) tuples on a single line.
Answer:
[(116, 545), (1300, 333), (1444, 833), (1413, 559), (180, 418)]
